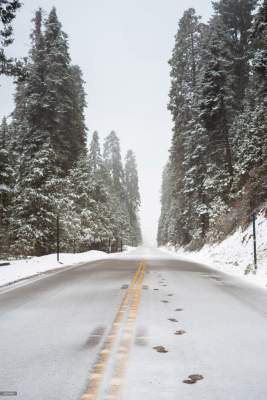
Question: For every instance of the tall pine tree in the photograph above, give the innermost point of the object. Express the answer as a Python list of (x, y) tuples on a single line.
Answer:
[(133, 197), (116, 182), (63, 98), (184, 75), (6, 185), (49, 100)]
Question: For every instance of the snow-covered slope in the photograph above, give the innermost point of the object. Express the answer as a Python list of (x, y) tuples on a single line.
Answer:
[(235, 254)]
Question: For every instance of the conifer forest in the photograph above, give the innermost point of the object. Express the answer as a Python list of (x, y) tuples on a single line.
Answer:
[(51, 167), (216, 175), (54, 169)]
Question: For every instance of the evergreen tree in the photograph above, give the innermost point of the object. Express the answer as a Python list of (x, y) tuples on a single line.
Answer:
[(78, 129), (163, 236), (95, 157), (8, 66), (194, 182), (80, 195), (117, 189), (33, 211), (184, 76), (249, 129), (216, 103), (113, 163), (100, 177), (34, 207), (237, 18), (259, 65), (45, 165), (49, 125), (184, 65), (6, 174), (133, 196), (6, 184), (103, 218), (259, 51), (18, 125), (250, 126), (63, 98)]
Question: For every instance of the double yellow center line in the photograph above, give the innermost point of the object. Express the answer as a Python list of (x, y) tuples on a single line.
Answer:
[(105, 381)]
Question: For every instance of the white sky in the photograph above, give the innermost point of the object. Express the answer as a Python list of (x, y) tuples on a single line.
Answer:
[(122, 47)]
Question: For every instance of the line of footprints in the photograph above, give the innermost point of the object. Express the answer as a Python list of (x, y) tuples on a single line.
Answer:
[(194, 378)]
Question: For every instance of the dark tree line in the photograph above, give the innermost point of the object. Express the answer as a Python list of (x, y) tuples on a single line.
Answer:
[(46, 167), (217, 170)]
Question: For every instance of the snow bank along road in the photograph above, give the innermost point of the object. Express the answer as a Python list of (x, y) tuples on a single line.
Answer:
[(134, 327)]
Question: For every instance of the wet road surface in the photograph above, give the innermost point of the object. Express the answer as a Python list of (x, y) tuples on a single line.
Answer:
[(143, 325)]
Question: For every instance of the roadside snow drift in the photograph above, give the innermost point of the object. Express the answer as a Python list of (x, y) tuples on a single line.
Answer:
[(235, 254), (21, 269)]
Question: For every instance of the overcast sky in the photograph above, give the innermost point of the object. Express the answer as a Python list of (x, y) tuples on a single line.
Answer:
[(122, 47)]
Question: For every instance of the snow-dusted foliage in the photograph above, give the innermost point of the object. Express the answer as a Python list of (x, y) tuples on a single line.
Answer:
[(133, 197), (117, 187), (47, 172), (217, 169), (8, 10), (6, 182)]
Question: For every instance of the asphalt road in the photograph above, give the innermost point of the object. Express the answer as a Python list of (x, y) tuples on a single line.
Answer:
[(92, 333)]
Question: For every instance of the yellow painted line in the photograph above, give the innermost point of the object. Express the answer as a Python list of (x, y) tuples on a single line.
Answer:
[(126, 342), (97, 374)]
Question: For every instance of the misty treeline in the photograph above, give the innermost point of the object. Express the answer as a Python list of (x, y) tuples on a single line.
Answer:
[(47, 169), (217, 169)]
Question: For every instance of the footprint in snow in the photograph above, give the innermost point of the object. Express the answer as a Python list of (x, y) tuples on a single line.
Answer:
[(160, 349), (180, 332), (193, 379)]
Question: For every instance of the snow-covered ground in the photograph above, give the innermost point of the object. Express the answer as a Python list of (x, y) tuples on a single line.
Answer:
[(235, 254), (19, 270)]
